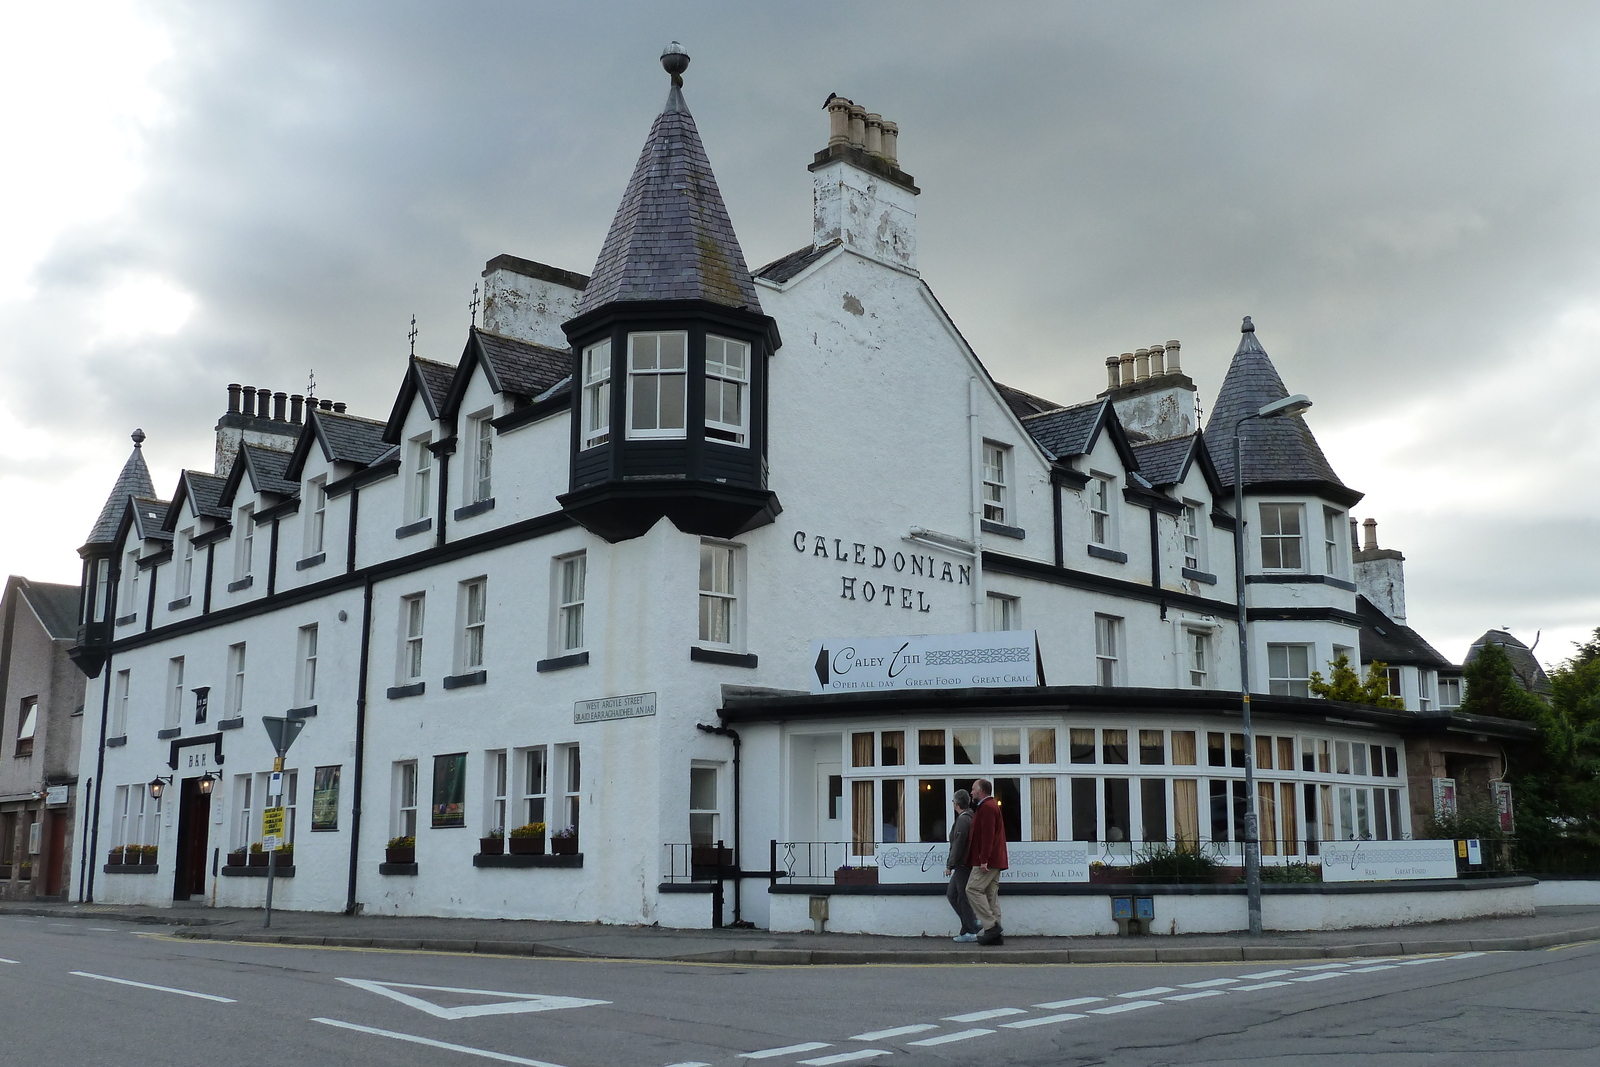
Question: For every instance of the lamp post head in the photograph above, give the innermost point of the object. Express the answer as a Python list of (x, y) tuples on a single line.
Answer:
[(1297, 404), (158, 785)]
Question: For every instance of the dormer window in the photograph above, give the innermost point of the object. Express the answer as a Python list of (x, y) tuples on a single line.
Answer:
[(245, 540), (481, 458), (1193, 555), (421, 489), (1101, 531), (317, 520), (658, 366), (597, 394), (185, 562), (995, 464), (727, 378)]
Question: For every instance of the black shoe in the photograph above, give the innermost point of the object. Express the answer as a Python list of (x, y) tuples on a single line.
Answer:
[(991, 936)]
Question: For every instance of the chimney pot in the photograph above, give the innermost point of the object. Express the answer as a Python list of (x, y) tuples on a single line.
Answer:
[(338, 407), (1141, 364), (327, 405), (858, 126), (278, 401), (838, 120), (296, 404), (1125, 362), (875, 133), (1172, 358), (1369, 535), (248, 408), (233, 399), (263, 402), (891, 145), (1355, 536), (1158, 365), (1113, 372)]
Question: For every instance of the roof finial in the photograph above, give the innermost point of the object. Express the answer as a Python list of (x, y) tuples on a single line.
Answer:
[(1248, 327), (674, 60), (138, 438), (473, 306), (413, 335)]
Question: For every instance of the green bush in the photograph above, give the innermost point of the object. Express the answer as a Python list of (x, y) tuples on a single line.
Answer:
[(1293, 872), (1181, 864)]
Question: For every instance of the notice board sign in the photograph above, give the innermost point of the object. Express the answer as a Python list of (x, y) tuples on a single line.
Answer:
[(1384, 861), (1029, 861), (271, 829), (1000, 659)]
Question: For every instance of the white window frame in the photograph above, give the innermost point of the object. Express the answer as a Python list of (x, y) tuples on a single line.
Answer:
[(407, 785), (569, 762), (1273, 534), (234, 700), (185, 575), (596, 401), (317, 516), (720, 377), (413, 623), (308, 648), (1102, 513), (1282, 679), (1199, 656), (420, 486), (244, 810), (1333, 559), (569, 584), (533, 785), (473, 613), (175, 692), (480, 460), (1107, 650), (102, 590), (1005, 612), (719, 600), (130, 584), (1454, 688), (119, 702), (244, 551), (1192, 527), (639, 371), (497, 785), (1427, 682), (996, 483), (701, 815)]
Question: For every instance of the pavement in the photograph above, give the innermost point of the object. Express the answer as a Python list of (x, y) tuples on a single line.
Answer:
[(525, 937)]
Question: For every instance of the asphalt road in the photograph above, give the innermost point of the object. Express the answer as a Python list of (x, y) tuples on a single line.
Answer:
[(80, 994)]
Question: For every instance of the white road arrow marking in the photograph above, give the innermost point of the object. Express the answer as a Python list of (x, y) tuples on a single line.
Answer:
[(431, 1043), (517, 1004), (157, 988)]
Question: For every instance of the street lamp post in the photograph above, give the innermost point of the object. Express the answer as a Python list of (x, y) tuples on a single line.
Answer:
[(1278, 409)]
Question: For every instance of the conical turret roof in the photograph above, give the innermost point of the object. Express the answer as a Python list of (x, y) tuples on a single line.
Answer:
[(1277, 452), (134, 481), (671, 238)]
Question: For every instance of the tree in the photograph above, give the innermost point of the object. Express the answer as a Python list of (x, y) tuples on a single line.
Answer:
[(1345, 684), (1493, 688)]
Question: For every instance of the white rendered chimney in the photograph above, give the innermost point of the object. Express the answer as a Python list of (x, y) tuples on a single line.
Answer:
[(861, 196), (1380, 573)]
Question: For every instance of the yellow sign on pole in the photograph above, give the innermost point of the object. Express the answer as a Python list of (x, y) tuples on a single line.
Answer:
[(271, 829)]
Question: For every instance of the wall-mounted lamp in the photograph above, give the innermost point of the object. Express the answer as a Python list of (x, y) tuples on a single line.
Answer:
[(207, 781), (158, 785)]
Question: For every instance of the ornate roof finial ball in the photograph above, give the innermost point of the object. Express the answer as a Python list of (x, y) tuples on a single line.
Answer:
[(1248, 327), (674, 60), (138, 438)]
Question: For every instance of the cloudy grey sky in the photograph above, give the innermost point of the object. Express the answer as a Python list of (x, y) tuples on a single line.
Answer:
[(1403, 196)]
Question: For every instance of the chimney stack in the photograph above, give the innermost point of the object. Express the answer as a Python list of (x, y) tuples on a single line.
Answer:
[(863, 199), (1152, 395), (1380, 573)]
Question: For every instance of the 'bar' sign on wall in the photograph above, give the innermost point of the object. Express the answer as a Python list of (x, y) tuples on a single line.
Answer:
[(1001, 659)]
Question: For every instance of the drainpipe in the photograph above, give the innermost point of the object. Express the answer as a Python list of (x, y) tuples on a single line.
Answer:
[(87, 896), (738, 811), (361, 739), (975, 447)]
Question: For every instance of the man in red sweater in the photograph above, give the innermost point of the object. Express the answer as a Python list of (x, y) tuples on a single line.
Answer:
[(986, 851)]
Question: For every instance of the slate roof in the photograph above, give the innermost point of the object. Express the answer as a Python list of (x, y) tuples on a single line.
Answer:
[(436, 377), (133, 481), (1523, 665), (205, 494), (521, 367), (1024, 404), (350, 438), (267, 467), (1386, 641), (785, 267), (1067, 431), (1273, 450), (1166, 462), (55, 604), (147, 515), (671, 238)]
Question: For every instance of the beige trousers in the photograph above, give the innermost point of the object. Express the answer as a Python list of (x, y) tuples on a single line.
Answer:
[(983, 890)]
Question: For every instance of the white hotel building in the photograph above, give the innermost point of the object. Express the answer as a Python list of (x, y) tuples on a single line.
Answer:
[(665, 481)]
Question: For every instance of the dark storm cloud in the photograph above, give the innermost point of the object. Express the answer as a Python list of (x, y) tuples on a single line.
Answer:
[(1403, 198)]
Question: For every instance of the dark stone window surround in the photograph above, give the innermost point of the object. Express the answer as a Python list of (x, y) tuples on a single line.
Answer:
[(286, 871), (1099, 552), (721, 656), (230, 724), (411, 529), (243, 583), (116, 742), (1002, 530), (552, 860), (180, 603), (162, 735), (474, 509), (414, 689), (461, 681), (311, 561), (124, 620), (308, 712), (398, 868), (1199, 576), (1299, 578)]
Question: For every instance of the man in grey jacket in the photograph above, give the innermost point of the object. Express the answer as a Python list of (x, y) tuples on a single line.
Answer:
[(957, 869)]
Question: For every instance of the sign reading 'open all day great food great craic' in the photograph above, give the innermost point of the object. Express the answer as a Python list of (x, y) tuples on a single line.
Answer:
[(1000, 659)]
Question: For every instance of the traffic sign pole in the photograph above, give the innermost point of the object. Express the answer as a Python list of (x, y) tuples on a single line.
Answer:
[(281, 731)]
